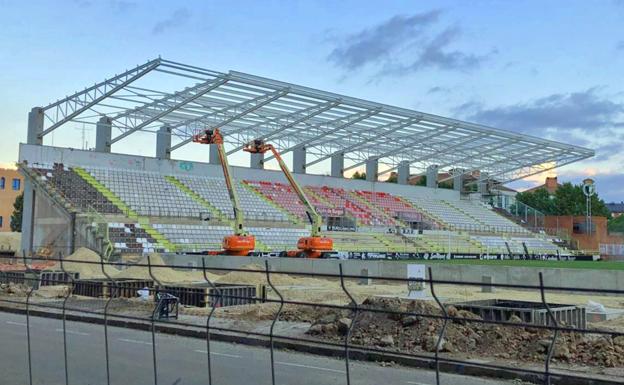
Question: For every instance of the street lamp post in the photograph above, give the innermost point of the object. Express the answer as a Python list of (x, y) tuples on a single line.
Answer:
[(589, 189)]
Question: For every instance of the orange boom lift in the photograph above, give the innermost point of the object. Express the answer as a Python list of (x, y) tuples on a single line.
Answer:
[(315, 245), (240, 243)]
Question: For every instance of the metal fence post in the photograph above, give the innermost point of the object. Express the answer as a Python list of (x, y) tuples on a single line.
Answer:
[(354, 306), (551, 347), (32, 289), (214, 304), (442, 331), (153, 325), (275, 318), (68, 294), (111, 294)]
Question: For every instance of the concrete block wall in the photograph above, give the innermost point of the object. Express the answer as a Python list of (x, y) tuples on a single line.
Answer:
[(555, 277)]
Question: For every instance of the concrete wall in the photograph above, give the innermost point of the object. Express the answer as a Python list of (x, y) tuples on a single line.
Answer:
[(574, 278), (72, 157)]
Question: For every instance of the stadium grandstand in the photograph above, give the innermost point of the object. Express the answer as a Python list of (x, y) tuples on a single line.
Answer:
[(132, 204)]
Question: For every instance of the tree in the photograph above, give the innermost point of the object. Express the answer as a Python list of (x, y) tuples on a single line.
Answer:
[(539, 199), (567, 200), (16, 217), (358, 175), (393, 178), (616, 225)]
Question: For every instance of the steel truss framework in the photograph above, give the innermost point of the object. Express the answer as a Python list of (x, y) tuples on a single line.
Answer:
[(292, 117)]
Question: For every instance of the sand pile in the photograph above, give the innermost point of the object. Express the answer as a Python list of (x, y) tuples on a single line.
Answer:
[(93, 269), (259, 278), (162, 274)]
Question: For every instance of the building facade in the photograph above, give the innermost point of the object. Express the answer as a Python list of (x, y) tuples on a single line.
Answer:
[(11, 185)]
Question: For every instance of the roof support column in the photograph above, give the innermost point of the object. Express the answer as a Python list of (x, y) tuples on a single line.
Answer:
[(403, 171), (482, 188), (214, 155), (163, 142), (432, 176), (103, 134), (458, 179), (299, 160), (256, 160), (337, 164), (35, 126), (28, 217), (372, 169)]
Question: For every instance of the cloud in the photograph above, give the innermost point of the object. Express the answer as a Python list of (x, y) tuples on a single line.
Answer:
[(405, 44), (586, 111), (435, 54), (122, 6), (179, 17), (438, 90), (376, 44)]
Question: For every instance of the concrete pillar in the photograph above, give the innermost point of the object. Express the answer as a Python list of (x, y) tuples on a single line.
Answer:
[(458, 179), (35, 126), (256, 160), (483, 181), (299, 160), (103, 134), (372, 169), (432, 176), (337, 165), (404, 172), (28, 217), (163, 142), (214, 155)]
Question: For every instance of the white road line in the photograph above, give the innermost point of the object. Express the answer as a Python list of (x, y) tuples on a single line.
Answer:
[(415, 383), (310, 367), (74, 332), (16, 323), (218, 354), (135, 341)]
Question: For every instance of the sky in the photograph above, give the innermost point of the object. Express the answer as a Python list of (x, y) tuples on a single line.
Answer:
[(553, 69)]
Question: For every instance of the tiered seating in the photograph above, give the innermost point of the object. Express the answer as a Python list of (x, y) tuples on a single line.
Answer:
[(80, 194), (440, 241), (132, 238), (356, 241), (392, 205), (443, 212), (195, 237), (486, 216), (496, 244), (340, 198), (199, 237), (214, 191), (538, 245), (278, 239), (284, 196), (148, 193)]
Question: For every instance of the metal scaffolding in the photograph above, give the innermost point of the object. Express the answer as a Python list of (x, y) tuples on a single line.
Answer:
[(186, 99)]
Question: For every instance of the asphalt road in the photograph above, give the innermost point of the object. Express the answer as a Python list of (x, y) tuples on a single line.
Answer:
[(180, 360)]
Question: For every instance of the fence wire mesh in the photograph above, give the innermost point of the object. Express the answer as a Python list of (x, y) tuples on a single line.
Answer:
[(352, 315)]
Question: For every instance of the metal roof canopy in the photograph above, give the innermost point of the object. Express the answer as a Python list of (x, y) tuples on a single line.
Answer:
[(247, 107)]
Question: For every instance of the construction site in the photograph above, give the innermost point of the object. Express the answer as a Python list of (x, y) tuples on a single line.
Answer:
[(275, 256)]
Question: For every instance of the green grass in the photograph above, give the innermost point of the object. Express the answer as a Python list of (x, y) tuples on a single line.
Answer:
[(591, 265)]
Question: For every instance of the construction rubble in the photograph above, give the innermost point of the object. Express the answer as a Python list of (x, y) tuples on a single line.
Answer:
[(414, 334)]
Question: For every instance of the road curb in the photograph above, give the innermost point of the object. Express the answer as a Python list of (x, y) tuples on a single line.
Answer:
[(318, 349)]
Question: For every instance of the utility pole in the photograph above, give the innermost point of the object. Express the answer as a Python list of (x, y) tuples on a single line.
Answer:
[(84, 130)]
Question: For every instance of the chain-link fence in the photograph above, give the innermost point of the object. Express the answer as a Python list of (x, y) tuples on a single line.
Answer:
[(415, 321)]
